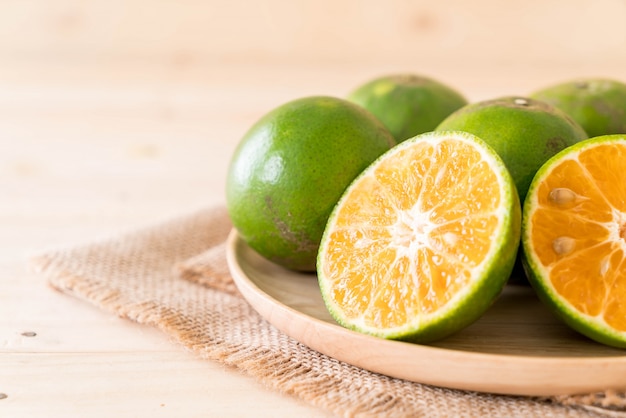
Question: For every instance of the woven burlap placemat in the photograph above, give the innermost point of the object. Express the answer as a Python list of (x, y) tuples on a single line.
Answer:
[(174, 276)]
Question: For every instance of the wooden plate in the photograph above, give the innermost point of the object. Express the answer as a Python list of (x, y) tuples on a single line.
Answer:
[(517, 347)]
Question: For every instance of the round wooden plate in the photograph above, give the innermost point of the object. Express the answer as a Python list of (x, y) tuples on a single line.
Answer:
[(517, 347)]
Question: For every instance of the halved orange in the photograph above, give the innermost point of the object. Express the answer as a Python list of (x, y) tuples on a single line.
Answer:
[(423, 241), (574, 237)]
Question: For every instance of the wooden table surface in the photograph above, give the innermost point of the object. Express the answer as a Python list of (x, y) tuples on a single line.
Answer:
[(115, 115)]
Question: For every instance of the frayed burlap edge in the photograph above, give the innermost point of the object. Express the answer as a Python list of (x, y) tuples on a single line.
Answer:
[(609, 402), (282, 363)]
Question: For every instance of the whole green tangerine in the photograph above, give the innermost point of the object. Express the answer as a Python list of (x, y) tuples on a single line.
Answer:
[(597, 104), (290, 169), (525, 132), (408, 104)]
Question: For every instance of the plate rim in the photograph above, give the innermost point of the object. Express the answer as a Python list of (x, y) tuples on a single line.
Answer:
[(543, 384)]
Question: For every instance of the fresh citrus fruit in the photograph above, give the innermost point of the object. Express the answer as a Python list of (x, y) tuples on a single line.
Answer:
[(574, 237), (291, 168), (422, 242), (524, 132), (598, 105), (408, 104)]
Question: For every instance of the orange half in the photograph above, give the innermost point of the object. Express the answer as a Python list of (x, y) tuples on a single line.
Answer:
[(574, 237), (423, 241)]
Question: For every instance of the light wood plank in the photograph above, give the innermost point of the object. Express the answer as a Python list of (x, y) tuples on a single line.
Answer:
[(132, 384)]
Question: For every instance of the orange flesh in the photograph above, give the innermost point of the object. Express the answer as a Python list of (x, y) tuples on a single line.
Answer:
[(578, 232), (408, 236)]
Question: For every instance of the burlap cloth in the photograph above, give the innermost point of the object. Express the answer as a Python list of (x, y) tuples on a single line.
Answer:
[(174, 276)]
